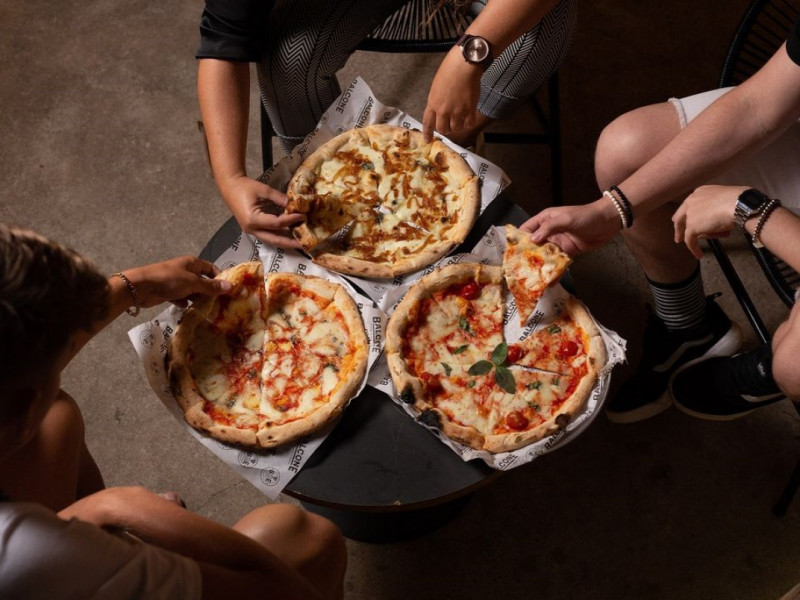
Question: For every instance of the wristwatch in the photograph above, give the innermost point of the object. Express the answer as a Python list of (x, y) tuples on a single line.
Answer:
[(476, 50), (751, 204)]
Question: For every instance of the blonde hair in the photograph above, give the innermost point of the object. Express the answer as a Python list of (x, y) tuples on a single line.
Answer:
[(47, 293)]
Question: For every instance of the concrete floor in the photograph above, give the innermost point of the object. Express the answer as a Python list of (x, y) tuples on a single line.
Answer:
[(99, 149)]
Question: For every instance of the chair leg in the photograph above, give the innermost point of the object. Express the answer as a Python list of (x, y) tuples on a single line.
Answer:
[(266, 139), (555, 143), (739, 291), (788, 494)]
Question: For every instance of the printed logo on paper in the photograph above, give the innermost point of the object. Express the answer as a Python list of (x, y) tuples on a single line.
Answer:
[(247, 459), (147, 338), (270, 476)]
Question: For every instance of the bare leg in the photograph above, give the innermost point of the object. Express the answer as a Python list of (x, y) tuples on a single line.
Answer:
[(785, 349), (55, 468), (625, 145), (305, 541)]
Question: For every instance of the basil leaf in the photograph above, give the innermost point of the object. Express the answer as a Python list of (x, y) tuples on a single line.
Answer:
[(500, 353), (463, 323), (471, 384), (460, 349), (554, 329), (480, 368), (447, 369), (505, 379)]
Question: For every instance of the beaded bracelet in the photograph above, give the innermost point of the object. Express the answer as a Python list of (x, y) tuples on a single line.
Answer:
[(619, 208), (625, 203), (137, 306), (768, 209)]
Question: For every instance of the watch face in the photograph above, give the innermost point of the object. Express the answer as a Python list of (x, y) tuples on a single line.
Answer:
[(753, 199), (476, 49)]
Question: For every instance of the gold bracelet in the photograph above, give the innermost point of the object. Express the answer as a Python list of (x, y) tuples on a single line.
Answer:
[(137, 306), (771, 206)]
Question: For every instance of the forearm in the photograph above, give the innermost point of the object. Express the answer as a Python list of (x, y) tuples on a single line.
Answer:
[(779, 235), (166, 525), (223, 90), (738, 124), (503, 21)]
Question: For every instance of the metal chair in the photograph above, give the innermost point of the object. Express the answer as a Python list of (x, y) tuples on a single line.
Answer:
[(412, 30), (762, 30)]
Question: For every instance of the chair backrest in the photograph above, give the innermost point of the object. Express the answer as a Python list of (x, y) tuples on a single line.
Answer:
[(419, 26), (763, 29)]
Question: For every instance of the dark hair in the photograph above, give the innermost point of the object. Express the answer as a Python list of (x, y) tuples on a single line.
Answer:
[(47, 293)]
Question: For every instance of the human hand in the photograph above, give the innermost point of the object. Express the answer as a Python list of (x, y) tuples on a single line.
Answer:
[(251, 203), (176, 280), (453, 97), (575, 229), (706, 213)]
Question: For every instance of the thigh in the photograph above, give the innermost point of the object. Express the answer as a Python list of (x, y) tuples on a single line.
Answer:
[(772, 169)]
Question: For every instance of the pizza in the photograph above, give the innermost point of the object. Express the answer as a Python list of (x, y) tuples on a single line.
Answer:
[(530, 269), (380, 202), (448, 358), (270, 362)]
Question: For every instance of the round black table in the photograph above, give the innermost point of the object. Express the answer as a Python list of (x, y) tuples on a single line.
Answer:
[(380, 476)]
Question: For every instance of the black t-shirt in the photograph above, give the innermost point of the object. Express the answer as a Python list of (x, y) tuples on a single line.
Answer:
[(233, 29), (793, 43)]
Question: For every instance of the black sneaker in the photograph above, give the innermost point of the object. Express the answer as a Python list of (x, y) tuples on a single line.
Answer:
[(725, 388), (645, 394)]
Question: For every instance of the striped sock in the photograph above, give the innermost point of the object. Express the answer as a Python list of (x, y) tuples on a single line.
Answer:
[(680, 305)]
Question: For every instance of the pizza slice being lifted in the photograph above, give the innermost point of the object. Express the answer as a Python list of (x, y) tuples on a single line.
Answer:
[(529, 269)]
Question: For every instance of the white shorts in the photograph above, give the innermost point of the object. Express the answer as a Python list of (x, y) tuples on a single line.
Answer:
[(775, 170)]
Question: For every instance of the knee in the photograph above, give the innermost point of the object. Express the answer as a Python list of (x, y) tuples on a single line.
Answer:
[(314, 539), (632, 139), (784, 370)]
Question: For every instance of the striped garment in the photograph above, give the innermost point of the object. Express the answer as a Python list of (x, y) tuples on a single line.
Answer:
[(308, 41)]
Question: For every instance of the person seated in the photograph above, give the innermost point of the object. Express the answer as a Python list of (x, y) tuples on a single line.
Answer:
[(300, 45), (656, 164), (62, 533)]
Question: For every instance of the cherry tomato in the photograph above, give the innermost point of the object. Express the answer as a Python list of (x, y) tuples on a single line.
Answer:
[(568, 348), (517, 421), (514, 354), (470, 291)]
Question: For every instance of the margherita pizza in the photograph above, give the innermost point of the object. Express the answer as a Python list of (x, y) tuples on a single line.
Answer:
[(380, 201), (448, 357), (264, 366), (530, 269)]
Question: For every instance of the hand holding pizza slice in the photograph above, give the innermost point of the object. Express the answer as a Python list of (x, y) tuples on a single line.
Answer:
[(530, 269), (448, 358)]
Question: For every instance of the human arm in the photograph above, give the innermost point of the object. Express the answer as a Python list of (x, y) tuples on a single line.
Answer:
[(223, 89), (176, 280), (738, 123), (231, 564), (455, 90), (708, 212)]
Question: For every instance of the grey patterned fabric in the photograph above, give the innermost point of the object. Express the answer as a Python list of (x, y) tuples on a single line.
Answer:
[(308, 41)]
